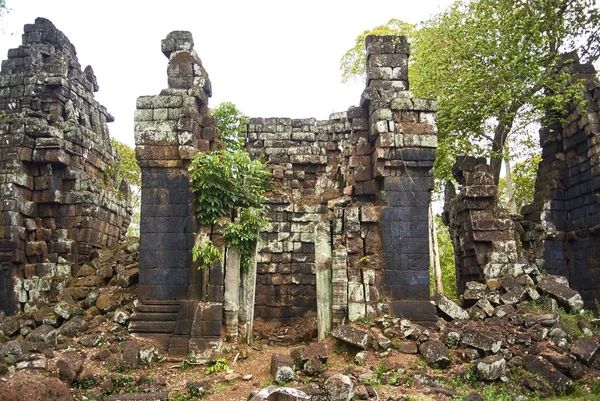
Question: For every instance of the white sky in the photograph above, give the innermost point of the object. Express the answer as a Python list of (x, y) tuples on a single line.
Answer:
[(270, 58)]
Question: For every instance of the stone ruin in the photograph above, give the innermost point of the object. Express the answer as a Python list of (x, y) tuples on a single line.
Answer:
[(58, 189), (348, 236), (559, 232), (349, 210)]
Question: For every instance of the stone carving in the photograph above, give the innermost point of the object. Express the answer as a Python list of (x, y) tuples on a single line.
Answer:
[(57, 169)]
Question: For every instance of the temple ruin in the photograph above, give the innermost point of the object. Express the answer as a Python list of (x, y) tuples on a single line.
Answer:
[(58, 188), (348, 234)]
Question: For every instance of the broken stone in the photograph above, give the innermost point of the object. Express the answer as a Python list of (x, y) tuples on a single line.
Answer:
[(339, 388), (407, 347), (66, 310), (485, 306), (317, 350), (274, 393), (558, 289), (282, 368), (544, 369), (435, 353), (450, 309), (70, 365), (352, 336), (584, 349), (491, 368), (547, 319), (121, 317), (482, 341)]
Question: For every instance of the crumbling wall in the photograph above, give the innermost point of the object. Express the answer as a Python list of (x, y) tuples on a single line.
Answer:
[(360, 181), (483, 234), (563, 223), (57, 169), (178, 304)]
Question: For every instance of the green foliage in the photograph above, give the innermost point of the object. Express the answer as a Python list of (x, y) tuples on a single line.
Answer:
[(223, 180), (523, 176), (225, 184), (206, 253), (365, 260), (447, 261), (232, 125), (128, 166), (495, 67), (220, 365)]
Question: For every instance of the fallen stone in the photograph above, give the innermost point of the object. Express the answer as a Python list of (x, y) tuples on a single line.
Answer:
[(559, 290), (106, 303), (44, 333), (407, 347), (584, 349), (282, 368), (301, 355), (352, 336), (556, 379), (435, 353), (547, 319), (160, 396), (380, 339), (72, 327), (491, 368), (121, 317), (473, 396), (450, 309), (482, 341), (339, 388), (66, 310), (485, 306), (274, 393), (10, 325), (70, 365)]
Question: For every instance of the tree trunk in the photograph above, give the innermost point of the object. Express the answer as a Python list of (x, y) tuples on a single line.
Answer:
[(510, 189), (434, 255), (501, 132)]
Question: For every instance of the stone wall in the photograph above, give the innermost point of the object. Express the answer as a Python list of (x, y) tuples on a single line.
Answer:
[(359, 181), (483, 234), (563, 222), (57, 169), (178, 304)]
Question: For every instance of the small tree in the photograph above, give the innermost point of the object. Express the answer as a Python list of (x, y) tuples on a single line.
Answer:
[(229, 190)]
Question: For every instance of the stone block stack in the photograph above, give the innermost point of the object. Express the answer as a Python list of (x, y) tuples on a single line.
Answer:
[(366, 175), (403, 132), (483, 234), (59, 195), (178, 305), (563, 222)]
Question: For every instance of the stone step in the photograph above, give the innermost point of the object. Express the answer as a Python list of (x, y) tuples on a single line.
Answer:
[(151, 306), (149, 316), (142, 326)]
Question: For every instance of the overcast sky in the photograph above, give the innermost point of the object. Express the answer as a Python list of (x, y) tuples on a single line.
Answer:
[(271, 58)]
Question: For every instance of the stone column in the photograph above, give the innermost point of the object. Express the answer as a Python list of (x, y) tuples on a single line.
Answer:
[(169, 130), (403, 130)]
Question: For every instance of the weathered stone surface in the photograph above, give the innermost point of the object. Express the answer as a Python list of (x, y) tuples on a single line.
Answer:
[(301, 355), (450, 309), (435, 353), (556, 379), (274, 393), (560, 291), (70, 365), (491, 368), (584, 349), (352, 336), (282, 368), (547, 319), (339, 388), (481, 340)]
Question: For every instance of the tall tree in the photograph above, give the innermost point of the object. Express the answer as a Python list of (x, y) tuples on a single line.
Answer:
[(495, 66)]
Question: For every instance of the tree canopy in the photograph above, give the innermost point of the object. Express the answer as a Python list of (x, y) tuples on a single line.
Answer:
[(495, 66)]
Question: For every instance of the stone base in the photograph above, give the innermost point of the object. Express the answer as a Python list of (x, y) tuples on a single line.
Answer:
[(416, 311), (180, 327)]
